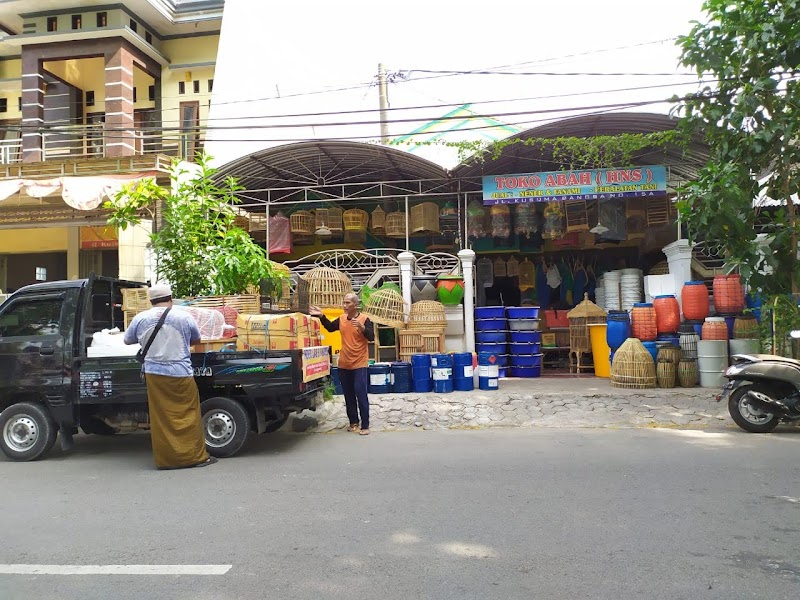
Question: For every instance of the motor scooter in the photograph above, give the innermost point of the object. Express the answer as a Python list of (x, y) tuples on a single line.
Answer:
[(762, 390)]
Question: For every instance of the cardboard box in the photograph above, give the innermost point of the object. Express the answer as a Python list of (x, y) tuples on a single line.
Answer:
[(548, 340), (277, 332)]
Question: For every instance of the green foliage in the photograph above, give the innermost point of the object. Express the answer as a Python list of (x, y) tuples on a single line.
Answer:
[(750, 121), (780, 315), (199, 250)]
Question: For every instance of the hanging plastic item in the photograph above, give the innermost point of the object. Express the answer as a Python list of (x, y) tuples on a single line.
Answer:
[(499, 267), (553, 227), (501, 220), (476, 220), (512, 267), (280, 235), (484, 272), (526, 219)]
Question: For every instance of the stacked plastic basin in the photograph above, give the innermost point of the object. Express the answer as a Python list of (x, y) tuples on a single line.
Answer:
[(525, 341), (491, 335)]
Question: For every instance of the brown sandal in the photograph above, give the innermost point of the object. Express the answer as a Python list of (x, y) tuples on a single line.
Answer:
[(354, 427), (364, 432)]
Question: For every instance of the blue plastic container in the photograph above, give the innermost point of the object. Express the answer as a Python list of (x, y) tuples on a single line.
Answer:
[(462, 372), (401, 377), (421, 361), (526, 372), (492, 348), (522, 312), (443, 374), (698, 328), (525, 337), (517, 349), (652, 348), (337, 383), (502, 360), (673, 338), (490, 324), (490, 312), (491, 337), (618, 328), (488, 370), (502, 371), (729, 322), (532, 360), (380, 378), (421, 373)]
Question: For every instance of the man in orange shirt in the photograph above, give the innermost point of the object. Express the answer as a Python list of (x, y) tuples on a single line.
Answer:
[(357, 331)]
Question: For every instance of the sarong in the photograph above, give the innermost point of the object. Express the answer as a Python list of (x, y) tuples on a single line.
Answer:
[(176, 428)]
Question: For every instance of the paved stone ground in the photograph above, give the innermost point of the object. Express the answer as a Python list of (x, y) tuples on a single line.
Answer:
[(576, 401)]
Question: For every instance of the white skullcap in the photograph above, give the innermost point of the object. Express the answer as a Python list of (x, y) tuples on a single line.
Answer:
[(159, 291)]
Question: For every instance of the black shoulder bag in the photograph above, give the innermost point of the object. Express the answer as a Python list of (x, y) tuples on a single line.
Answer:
[(143, 351)]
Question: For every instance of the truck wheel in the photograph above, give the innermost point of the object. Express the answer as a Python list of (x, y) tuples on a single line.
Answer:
[(27, 431), (226, 425)]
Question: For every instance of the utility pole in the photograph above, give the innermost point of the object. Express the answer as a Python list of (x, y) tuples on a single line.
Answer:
[(383, 98)]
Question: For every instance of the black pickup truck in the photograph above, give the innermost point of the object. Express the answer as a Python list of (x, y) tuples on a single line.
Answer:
[(49, 384)]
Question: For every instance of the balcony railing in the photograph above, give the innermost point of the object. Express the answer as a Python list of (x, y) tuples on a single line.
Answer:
[(93, 141)]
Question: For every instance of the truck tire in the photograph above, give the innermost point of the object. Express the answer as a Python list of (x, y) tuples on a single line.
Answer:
[(27, 431), (226, 426)]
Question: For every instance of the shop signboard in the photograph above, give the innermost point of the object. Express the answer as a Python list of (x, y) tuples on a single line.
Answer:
[(584, 184), (93, 238), (316, 363)]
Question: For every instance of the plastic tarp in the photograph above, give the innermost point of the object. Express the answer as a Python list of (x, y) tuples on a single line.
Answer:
[(280, 235)]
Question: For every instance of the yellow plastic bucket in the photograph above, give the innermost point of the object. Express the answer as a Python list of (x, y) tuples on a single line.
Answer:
[(601, 353), (334, 340)]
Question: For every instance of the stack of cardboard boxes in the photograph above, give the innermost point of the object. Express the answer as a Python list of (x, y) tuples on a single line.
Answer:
[(277, 332)]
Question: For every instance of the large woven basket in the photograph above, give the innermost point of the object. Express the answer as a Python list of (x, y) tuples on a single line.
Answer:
[(633, 366), (301, 222), (355, 219), (424, 218), (327, 287), (249, 304), (378, 224), (386, 307), (396, 225), (427, 315)]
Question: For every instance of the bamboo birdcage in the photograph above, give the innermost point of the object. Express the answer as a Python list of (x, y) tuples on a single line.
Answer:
[(378, 221), (499, 267), (633, 366), (657, 210), (527, 274), (585, 314), (386, 307), (424, 218), (284, 303), (427, 315), (327, 287), (355, 219), (249, 304), (635, 218), (414, 341), (512, 267), (577, 216), (335, 222), (396, 225), (301, 222), (321, 221)]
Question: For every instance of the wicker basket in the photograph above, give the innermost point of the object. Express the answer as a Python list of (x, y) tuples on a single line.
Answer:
[(424, 218), (633, 366), (327, 287), (335, 222), (661, 268), (427, 315), (355, 219), (396, 225), (378, 224), (301, 222), (249, 304), (386, 307)]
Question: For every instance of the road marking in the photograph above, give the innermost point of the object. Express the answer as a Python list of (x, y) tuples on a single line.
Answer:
[(114, 569)]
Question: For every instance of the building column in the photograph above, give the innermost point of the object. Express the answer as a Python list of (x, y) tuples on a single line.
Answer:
[(467, 258), (33, 90), (133, 251), (73, 252), (679, 258), (119, 126), (406, 271)]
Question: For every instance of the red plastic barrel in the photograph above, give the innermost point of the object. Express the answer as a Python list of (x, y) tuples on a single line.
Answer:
[(728, 294), (694, 298), (668, 313)]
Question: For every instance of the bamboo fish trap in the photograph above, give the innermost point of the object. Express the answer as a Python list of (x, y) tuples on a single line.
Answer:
[(427, 315), (633, 366), (386, 307)]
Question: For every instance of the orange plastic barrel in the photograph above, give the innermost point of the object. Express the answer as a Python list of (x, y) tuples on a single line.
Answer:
[(694, 298), (715, 328), (728, 294), (643, 322)]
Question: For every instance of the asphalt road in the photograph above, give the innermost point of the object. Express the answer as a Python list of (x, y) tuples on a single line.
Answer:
[(500, 513)]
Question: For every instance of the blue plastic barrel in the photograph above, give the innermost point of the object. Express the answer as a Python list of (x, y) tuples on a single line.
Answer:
[(462, 372), (443, 374), (421, 373), (729, 322), (698, 327), (401, 377), (337, 383), (673, 338), (652, 348), (488, 370), (379, 378), (618, 329)]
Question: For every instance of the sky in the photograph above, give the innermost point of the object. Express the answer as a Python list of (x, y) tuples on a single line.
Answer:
[(279, 60)]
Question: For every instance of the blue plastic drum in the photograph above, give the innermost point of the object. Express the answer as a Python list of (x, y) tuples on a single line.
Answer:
[(462, 372), (618, 329), (401, 377), (421, 373), (488, 370), (652, 348), (442, 374), (380, 375)]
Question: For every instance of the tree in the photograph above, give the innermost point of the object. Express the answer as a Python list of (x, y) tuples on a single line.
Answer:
[(198, 248), (750, 121)]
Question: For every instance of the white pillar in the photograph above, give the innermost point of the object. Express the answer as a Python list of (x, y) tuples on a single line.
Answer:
[(406, 271), (467, 258), (73, 252), (679, 258)]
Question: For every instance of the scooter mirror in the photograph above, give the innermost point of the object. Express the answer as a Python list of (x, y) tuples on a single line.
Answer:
[(795, 335)]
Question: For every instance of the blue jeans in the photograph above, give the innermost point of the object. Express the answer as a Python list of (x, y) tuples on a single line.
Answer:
[(354, 385)]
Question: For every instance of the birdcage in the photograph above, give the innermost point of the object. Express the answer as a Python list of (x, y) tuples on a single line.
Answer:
[(527, 274), (499, 267), (327, 287), (657, 210), (396, 225), (335, 222), (427, 315), (576, 215), (321, 222), (585, 314), (134, 301), (526, 220), (386, 307), (301, 222), (378, 221), (414, 341), (242, 222), (633, 366), (512, 267), (477, 220), (355, 219), (635, 218), (424, 218), (553, 227), (284, 302)]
